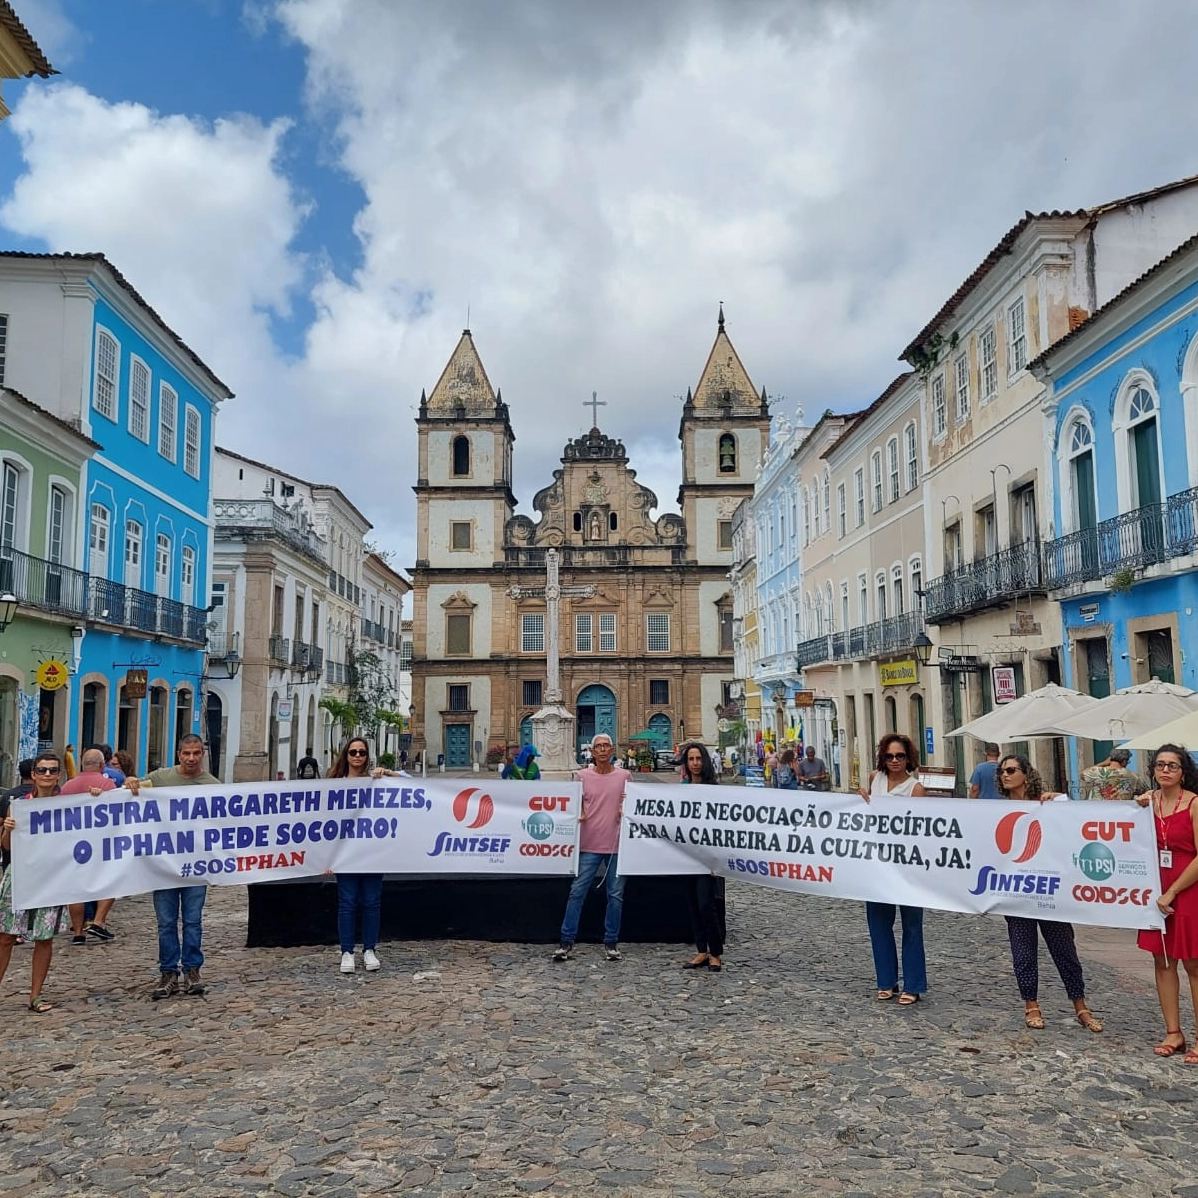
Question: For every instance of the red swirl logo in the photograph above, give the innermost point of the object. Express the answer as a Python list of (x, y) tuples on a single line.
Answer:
[(1005, 836), (465, 806)]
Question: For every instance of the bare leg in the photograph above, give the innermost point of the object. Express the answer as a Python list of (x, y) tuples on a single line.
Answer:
[(1168, 993), (42, 952), (1191, 968), (102, 909), (75, 911), (6, 943)]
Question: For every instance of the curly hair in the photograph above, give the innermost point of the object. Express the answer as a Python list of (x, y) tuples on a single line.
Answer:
[(908, 748), (1189, 770), (707, 773), (1035, 784), (341, 765)]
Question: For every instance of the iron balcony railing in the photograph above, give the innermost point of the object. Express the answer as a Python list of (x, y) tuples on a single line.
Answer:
[(1133, 540), (301, 655), (223, 645), (882, 638), (46, 585), (278, 650), (989, 582)]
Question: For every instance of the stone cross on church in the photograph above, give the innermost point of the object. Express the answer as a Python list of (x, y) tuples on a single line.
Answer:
[(553, 722), (594, 403)]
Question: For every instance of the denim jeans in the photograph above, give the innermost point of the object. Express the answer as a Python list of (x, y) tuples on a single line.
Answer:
[(187, 901), (880, 919), (359, 892), (588, 866)]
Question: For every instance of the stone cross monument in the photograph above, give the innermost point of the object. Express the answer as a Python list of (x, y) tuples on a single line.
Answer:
[(553, 724)]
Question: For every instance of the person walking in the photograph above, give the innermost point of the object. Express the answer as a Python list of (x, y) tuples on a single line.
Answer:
[(1018, 780), (813, 773), (896, 775), (598, 843), (705, 897), (1176, 816), (983, 782), (784, 776)]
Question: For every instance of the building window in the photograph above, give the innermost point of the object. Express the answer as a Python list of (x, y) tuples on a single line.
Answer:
[(8, 506), (1016, 338), (607, 632), (827, 502), (725, 618), (1023, 515), (875, 473), (892, 469), (862, 600), (583, 642), (912, 447), (939, 419), (132, 553), (988, 349), (191, 443), (457, 635), (461, 455), (724, 534), (897, 587), (659, 692), (3, 345), (459, 534), (806, 518), (917, 582), (727, 453), (188, 578), (880, 585), (458, 697), (107, 362), (162, 565), (952, 547), (97, 541), (845, 618), (139, 400), (657, 630), (57, 537), (842, 515), (815, 510), (532, 692), (168, 411), (405, 655), (859, 494), (532, 632), (961, 371)]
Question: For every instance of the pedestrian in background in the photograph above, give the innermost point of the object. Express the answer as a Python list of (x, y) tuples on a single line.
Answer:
[(705, 897), (983, 782), (785, 777), (1111, 779), (1019, 781), (90, 919)]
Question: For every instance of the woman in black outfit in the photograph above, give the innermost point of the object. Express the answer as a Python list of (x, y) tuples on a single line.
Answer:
[(706, 894)]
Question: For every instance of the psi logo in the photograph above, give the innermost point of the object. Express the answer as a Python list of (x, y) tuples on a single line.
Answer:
[(540, 826), (1012, 836), (471, 811)]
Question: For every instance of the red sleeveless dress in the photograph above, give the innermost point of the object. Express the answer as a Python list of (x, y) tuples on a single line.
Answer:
[(1180, 939)]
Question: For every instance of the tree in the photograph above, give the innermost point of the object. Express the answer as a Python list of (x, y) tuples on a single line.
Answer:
[(371, 692), (344, 714)]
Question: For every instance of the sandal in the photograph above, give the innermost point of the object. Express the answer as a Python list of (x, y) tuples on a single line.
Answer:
[(1088, 1020), (907, 1000), (40, 1006), (886, 995), (1165, 1049), (1032, 1017), (1191, 1057)]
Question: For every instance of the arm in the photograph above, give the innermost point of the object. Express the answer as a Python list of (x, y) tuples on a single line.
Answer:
[(974, 790), (918, 791), (1189, 875)]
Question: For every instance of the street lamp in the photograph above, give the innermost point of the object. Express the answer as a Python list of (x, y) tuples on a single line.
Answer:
[(8, 609), (232, 665), (923, 648)]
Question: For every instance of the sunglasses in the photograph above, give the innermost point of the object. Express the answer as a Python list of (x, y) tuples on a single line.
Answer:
[(1012, 769), (47, 769), (896, 756), (355, 753), (1167, 765)]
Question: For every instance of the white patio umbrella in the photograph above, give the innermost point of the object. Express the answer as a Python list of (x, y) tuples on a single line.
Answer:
[(1181, 731), (1129, 712), (1026, 717)]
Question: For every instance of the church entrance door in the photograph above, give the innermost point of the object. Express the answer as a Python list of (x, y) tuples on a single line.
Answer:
[(596, 713), (457, 746)]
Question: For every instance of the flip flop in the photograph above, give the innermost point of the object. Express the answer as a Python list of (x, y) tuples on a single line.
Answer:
[(40, 1006), (907, 1000)]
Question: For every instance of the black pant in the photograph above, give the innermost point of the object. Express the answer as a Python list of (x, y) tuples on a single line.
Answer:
[(706, 901)]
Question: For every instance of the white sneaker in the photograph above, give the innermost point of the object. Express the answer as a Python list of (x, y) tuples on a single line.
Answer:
[(371, 961), (348, 964)]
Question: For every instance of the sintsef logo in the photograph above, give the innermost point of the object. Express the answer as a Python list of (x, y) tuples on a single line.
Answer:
[(471, 811), (1010, 834)]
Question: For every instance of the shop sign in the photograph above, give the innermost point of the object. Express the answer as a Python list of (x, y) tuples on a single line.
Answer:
[(899, 673), (136, 683), (52, 674)]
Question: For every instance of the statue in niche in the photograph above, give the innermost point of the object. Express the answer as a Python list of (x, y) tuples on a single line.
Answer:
[(596, 527)]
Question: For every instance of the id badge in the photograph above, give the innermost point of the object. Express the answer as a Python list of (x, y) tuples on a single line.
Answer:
[(1166, 858)]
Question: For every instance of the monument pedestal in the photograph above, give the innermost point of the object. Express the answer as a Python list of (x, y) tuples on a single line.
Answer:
[(553, 735)]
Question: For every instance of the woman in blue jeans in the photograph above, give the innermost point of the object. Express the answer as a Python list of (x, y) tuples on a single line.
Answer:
[(358, 893), (896, 775)]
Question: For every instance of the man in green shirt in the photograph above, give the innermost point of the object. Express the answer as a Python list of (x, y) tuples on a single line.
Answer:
[(186, 902)]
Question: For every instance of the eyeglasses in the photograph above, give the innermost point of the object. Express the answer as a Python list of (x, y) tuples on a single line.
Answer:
[(895, 756), (1167, 765), (47, 769), (355, 753), (1011, 769)]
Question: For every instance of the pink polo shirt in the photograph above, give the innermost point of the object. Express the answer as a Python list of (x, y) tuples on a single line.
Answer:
[(80, 784), (601, 796)]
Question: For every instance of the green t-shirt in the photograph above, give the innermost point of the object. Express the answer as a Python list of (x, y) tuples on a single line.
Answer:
[(170, 776)]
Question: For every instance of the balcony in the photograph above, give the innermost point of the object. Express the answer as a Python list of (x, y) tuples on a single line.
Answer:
[(1146, 536), (223, 645), (882, 638), (301, 655), (261, 518), (278, 651), (373, 632), (42, 584), (111, 602), (992, 581)]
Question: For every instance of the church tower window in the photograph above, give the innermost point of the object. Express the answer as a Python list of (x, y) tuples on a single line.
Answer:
[(461, 456), (578, 522), (612, 522), (727, 452)]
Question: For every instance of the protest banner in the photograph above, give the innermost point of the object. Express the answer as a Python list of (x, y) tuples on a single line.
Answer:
[(75, 848), (1093, 863)]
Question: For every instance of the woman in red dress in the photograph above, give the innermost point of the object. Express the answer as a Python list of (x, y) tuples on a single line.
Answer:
[(1176, 818)]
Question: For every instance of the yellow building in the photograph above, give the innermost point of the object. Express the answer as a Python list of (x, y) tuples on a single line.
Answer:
[(20, 55)]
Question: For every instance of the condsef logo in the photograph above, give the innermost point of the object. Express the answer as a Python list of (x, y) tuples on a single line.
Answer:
[(1019, 836), (471, 811)]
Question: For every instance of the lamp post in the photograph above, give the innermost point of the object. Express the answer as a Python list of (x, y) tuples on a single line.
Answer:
[(8, 609)]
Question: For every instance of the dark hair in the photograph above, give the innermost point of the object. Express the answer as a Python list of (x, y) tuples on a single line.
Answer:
[(105, 749), (25, 768), (908, 748), (48, 756), (1035, 784), (992, 750), (787, 757), (341, 765), (125, 762), (707, 771), (1189, 771), (306, 764)]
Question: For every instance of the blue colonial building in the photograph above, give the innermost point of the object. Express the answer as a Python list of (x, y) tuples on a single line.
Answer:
[(1121, 405), (85, 345)]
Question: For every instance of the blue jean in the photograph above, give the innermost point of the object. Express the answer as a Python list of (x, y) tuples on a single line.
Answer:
[(880, 918), (588, 867), (187, 901), (359, 892)]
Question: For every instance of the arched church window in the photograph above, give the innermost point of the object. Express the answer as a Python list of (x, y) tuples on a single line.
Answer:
[(727, 453), (578, 522), (461, 455), (611, 521)]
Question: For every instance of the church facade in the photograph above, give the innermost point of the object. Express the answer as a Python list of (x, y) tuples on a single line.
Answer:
[(645, 616)]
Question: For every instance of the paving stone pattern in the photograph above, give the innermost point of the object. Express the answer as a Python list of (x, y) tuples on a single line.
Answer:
[(488, 1069)]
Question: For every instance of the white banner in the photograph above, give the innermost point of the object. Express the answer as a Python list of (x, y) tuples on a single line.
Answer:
[(75, 848), (1080, 862)]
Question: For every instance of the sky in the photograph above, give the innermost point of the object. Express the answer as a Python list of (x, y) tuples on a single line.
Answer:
[(318, 194)]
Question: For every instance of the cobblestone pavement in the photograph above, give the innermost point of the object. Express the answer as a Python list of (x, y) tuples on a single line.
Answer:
[(489, 1069)]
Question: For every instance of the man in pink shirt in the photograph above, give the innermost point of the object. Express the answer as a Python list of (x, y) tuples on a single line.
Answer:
[(91, 779), (598, 842)]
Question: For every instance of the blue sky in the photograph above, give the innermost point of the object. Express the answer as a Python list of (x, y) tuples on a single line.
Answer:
[(313, 192)]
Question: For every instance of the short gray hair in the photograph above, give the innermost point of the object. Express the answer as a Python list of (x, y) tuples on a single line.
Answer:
[(602, 736), (1122, 756), (92, 760)]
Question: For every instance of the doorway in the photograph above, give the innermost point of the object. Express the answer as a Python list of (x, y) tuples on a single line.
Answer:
[(457, 746), (596, 713)]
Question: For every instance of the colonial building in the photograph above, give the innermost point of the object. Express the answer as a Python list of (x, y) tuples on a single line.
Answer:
[(20, 55), (746, 646), (645, 636)]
